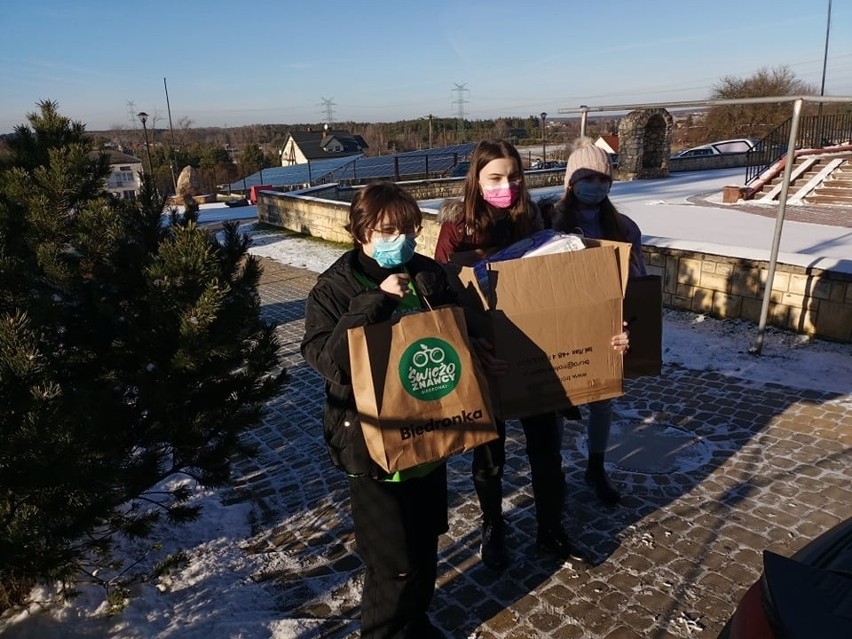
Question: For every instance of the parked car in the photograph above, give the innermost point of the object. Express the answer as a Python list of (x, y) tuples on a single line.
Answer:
[(738, 145), (806, 596), (549, 164)]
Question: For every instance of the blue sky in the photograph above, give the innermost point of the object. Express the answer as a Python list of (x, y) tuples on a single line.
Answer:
[(265, 61)]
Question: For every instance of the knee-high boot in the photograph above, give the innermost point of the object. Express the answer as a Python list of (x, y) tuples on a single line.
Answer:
[(489, 490)]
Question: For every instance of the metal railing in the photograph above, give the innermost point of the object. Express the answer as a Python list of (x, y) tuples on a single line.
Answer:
[(815, 132)]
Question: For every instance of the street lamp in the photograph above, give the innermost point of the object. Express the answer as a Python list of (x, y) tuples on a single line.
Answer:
[(543, 138), (583, 116), (143, 118)]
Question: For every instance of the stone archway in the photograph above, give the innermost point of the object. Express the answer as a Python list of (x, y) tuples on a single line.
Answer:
[(644, 144)]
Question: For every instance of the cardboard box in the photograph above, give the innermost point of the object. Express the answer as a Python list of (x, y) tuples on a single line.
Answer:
[(552, 319), (643, 309)]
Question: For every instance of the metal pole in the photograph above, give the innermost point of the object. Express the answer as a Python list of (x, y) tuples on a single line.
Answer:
[(820, 135), (583, 117), (543, 137), (430, 130), (825, 55), (172, 131), (148, 150), (757, 346)]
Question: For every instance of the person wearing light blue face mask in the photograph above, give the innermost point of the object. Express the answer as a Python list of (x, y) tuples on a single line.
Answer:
[(394, 251), (585, 208), (397, 517)]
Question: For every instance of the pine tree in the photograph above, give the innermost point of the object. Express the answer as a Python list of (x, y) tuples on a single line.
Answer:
[(130, 351)]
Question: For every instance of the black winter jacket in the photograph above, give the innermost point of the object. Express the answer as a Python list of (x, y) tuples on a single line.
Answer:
[(337, 303)]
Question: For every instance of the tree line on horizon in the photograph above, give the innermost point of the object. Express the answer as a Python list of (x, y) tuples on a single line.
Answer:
[(225, 154)]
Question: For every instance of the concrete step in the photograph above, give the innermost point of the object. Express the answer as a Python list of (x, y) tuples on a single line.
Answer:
[(837, 200), (827, 189), (839, 178)]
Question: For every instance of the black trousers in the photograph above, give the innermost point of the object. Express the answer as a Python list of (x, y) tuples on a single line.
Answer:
[(397, 525), (544, 443)]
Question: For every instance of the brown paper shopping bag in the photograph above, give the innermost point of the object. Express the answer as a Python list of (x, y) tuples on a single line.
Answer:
[(420, 393)]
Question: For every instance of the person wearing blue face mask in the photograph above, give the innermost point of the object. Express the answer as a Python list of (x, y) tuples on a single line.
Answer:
[(397, 517), (392, 250), (585, 208)]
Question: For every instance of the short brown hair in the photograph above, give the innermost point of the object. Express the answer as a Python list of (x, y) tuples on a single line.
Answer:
[(378, 200)]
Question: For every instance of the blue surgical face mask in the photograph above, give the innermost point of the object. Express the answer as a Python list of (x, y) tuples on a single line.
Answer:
[(395, 252), (591, 193)]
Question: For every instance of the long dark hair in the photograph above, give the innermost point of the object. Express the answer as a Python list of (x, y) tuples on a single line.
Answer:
[(478, 214), (612, 225)]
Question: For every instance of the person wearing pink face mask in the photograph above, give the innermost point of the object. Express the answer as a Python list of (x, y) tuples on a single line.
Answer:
[(496, 211)]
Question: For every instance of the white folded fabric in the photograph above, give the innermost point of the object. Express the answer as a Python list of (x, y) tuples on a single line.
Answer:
[(562, 243)]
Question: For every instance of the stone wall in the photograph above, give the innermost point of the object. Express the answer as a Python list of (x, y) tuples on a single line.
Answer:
[(320, 212), (804, 300)]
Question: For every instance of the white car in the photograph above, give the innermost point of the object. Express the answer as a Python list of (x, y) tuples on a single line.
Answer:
[(739, 145)]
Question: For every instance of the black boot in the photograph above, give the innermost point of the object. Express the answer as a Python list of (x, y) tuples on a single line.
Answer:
[(554, 540), (493, 548), (597, 478), (489, 490)]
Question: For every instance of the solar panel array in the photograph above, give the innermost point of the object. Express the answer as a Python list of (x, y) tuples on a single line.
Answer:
[(410, 164), (314, 172)]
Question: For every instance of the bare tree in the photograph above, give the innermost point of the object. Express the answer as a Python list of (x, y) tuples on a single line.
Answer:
[(752, 120), (184, 125)]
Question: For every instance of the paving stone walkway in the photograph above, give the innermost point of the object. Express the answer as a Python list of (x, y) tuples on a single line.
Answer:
[(762, 466)]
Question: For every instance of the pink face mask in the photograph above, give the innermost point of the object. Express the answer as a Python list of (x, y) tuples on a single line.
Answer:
[(502, 197)]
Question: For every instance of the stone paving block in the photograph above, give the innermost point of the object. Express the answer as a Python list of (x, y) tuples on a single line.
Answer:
[(638, 618), (623, 633)]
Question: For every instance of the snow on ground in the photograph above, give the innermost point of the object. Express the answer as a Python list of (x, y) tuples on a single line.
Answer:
[(214, 596)]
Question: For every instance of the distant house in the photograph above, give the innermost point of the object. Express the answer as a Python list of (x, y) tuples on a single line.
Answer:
[(302, 146), (123, 181), (608, 143)]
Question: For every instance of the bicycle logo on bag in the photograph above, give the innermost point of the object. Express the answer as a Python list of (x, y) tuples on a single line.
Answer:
[(423, 357), (429, 369)]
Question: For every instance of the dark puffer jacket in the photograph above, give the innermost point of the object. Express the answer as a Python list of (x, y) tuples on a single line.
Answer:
[(337, 303)]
